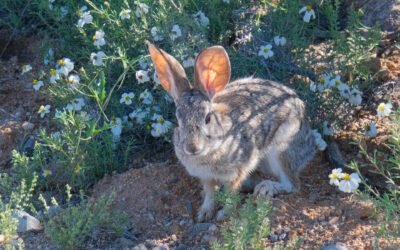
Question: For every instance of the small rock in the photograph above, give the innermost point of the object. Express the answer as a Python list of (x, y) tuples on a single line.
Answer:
[(282, 236), (26, 222), (189, 206), (199, 227), (174, 238), (29, 145), (334, 220), (28, 126), (140, 247), (213, 228), (151, 217), (324, 223), (181, 247), (162, 247), (273, 238), (334, 246), (182, 222), (220, 215)]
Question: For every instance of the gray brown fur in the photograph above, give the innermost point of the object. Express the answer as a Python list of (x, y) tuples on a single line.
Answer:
[(254, 124)]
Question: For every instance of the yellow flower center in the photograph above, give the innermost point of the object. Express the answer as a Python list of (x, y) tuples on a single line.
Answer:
[(113, 118), (309, 7), (75, 101), (127, 98), (346, 177), (140, 98), (158, 130), (60, 62), (46, 172), (53, 72), (174, 32), (266, 50), (337, 83), (35, 81), (69, 80), (334, 176), (24, 67), (123, 12), (322, 80), (94, 38), (381, 107), (161, 120), (368, 127), (148, 127)]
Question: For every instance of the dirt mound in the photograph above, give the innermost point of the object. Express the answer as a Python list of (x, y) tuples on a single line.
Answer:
[(161, 201)]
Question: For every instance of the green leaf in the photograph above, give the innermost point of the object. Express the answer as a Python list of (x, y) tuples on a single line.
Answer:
[(102, 85)]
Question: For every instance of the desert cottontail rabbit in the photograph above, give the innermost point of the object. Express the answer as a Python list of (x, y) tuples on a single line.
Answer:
[(226, 131)]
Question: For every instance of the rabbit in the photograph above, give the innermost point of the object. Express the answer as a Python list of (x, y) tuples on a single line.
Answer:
[(227, 131)]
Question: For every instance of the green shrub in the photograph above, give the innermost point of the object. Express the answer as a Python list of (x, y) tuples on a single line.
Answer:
[(71, 226)]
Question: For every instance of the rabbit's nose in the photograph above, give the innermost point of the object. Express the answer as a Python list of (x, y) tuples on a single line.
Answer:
[(192, 149)]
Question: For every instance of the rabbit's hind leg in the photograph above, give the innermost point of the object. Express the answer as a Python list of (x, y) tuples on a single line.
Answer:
[(271, 188)]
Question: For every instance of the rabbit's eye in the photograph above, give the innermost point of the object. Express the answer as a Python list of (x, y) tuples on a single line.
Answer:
[(208, 118)]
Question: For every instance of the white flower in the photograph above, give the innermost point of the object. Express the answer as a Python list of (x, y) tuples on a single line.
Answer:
[(143, 64), (64, 11), (127, 98), (37, 84), (345, 92), (153, 109), (98, 39), (328, 129), (97, 58), (54, 76), (85, 18), (161, 126), (156, 79), (370, 130), (125, 14), (142, 76), (384, 109), (336, 82), (146, 97), (309, 12), (156, 35), (116, 128), (142, 8), (46, 173), (355, 96), (76, 104), (138, 115), (73, 81), (266, 51), (349, 182), (175, 32), (321, 144), (57, 114), (50, 4), (280, 40), (189, 60), (26, 68), (313, 86), (324, 82), (335, 176), (56, 134), (226, 1), (201, 19), (65, 66), (43, 110)]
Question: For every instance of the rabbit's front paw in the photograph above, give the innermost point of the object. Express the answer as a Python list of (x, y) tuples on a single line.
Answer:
[(206, 211), (268, 187)]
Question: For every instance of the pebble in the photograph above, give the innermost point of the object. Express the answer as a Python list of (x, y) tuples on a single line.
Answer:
[(189, 206), (26, 222), (282, 236), (199, 227), (182, 247), (151, 217), (334, 246), (174, 238), (182, 222), (220, 215), (29, 146), (324, 223), (334, 220), (162, 247), (124, 242), (140, 247), (273, 238)]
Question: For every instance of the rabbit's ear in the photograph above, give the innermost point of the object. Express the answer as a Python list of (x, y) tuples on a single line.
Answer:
[(170, 72), (212, 70)]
